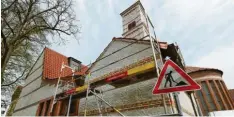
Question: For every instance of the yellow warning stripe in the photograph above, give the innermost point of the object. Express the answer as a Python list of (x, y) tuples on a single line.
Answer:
[(133, 71), (82, 88), (141, 68)]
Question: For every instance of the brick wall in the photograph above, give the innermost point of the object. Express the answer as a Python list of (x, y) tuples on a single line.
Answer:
[(131, 94)]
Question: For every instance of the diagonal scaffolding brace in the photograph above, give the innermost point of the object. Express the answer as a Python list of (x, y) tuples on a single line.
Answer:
[(97, 96), (68, 86), (106, 103)]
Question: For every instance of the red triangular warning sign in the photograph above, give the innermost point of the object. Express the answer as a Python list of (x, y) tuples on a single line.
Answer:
[(173, 79)]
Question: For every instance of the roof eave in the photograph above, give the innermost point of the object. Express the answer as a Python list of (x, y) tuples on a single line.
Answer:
[(208, 69)]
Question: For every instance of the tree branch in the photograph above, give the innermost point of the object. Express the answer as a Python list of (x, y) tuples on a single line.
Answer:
[(21, 76), (29, 11), (4, 9), (32, 21), (8, 25), (4, 40), (49, 9)]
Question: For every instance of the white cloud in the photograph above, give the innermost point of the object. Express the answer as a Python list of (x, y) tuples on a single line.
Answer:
[(223, 59), (147, 4), (81, 5), (196, 9), (181, 14), (111, 4)]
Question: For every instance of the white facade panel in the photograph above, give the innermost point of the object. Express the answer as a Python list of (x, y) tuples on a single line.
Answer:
[(104, 64), (30, 111), (32, 86), (34, 91), (38, 63), (32, 82), (130, 15), (34, 75), (137, 19)]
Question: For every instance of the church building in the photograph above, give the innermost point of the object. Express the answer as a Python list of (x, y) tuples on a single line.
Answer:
[(119, 82)]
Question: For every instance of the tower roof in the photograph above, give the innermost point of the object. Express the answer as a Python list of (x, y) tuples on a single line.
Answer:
[(138, 2)]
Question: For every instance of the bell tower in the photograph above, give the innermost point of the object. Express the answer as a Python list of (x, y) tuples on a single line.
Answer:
[(134, 21)]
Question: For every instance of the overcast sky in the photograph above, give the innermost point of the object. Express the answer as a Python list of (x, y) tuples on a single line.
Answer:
[(204, 30)]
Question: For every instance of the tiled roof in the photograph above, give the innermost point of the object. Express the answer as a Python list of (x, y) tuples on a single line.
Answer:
[(52, 65), (190, 69)]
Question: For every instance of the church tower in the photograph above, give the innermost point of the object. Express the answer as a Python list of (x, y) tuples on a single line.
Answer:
[(134, 21)]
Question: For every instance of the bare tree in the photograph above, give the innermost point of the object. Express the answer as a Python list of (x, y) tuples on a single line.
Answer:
[(25, 28)]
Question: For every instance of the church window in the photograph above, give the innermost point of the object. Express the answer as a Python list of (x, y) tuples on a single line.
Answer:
[(131, 25)]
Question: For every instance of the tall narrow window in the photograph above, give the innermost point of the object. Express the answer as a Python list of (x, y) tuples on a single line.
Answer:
[(223, 93), (59, 109), (39, 110), (63, 109), (208, 95), (47, 107), (131, 25), (43, 108), (218, 98), (74, 108), (202, 101)]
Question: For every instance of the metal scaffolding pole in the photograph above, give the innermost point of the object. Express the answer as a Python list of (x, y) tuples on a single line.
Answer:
[(67, 84), (87, 94), (155, 59), (56, 89), (97, 101), (70, 98), (69, 104)]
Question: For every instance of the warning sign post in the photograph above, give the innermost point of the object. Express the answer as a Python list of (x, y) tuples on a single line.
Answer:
[(173, 79)]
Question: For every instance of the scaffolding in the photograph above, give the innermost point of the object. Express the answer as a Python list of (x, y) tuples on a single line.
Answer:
[(90, 88), (63, 85), (66, 85), (99, 97)]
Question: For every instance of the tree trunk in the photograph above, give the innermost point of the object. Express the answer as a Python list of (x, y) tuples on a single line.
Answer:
[(5, 58)]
